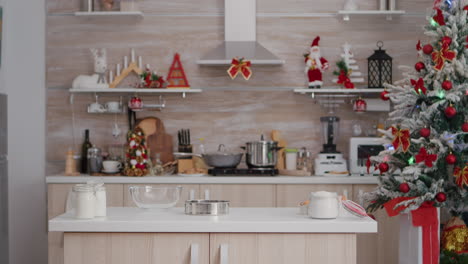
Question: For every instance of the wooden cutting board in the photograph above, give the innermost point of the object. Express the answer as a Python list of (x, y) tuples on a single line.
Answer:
[(157, 140), (276, 136)]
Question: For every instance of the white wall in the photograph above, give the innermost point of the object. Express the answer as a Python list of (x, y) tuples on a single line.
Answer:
[(23, 78), (2, 84)]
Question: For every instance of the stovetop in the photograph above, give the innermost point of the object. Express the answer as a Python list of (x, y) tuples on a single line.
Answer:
[(265, 172)]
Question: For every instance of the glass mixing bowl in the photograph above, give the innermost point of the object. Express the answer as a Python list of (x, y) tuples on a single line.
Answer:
[(149, 197)]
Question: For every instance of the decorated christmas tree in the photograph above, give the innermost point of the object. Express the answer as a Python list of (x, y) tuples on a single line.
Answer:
[(428, 141)]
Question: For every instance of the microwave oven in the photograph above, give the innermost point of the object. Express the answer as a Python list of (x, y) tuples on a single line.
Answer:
[(360, 149)]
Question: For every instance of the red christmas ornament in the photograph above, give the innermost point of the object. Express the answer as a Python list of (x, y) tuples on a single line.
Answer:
[(447, 40), (349, 85), (135, 103), (404, 187), (419, 66), (425, 132), (451, 159), (465, 8), (441, 197), (383, 95), (450, 112), (360, 106), (428, 49), (383, 167), (447, 85), (465, 127)]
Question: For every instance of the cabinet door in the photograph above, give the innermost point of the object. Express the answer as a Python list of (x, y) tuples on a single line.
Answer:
[(242, 195), (138, 248), (56, 202), (185, 195), (383, 246), (291, 195), (282, 248)]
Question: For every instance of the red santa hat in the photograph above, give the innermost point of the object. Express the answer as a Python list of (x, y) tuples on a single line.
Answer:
[(315, 43)]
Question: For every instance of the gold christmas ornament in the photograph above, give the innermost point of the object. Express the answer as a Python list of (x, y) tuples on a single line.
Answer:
[(455, 236)]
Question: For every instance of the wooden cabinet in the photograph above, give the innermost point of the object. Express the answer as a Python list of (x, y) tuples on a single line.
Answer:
[(292, 195), (56, 203), (141, 248), (242, 195), (186, 189), (382, 247)]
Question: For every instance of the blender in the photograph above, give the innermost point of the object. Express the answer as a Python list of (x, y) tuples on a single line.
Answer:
[(330, 162)]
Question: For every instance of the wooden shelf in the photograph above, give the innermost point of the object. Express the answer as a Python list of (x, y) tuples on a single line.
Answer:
[(109, 13), (337, 91), (388, 13), (136, 90)]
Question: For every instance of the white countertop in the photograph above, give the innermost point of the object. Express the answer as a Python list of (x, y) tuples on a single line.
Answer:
[(239, 220), (218, 180)]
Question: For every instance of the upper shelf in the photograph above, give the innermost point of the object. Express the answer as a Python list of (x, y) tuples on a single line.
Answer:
[(388, 13), (110, 13), (340, 91), (138, 91)]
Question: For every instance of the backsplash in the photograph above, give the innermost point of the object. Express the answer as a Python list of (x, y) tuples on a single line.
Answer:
[(218, 115)]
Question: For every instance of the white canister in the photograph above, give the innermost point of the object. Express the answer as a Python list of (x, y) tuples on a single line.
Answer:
[(323, 205), (101, 201), (84, 201), (291, 159)]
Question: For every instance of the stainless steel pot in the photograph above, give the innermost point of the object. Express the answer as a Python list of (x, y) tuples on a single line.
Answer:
[(261, 154), (220, 159), (206, 207)]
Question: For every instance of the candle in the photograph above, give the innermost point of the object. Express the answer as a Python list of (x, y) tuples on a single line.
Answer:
[(392, 5), (148, 66), (140, 62), (125, 62), (383, 5), (118, 69), (90, 5), (111, 76), (133, 55)]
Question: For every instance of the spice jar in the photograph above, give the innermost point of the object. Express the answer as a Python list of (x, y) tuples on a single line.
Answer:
[(84, 201), (94, 160), (291, 159)]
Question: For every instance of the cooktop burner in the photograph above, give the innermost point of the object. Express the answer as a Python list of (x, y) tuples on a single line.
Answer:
[(243, 172)]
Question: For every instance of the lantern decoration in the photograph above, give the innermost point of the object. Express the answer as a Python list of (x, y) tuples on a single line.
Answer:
[(380, 68)]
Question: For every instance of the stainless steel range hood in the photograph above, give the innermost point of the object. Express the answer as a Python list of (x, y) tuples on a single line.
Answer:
[(240, 38)]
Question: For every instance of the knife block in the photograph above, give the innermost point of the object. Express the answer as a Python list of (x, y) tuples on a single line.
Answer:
[(184, 164)]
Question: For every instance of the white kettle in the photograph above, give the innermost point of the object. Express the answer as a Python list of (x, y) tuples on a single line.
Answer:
[(324, 205)]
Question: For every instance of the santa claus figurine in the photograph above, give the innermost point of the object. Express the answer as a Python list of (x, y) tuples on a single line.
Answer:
[(315, 65)]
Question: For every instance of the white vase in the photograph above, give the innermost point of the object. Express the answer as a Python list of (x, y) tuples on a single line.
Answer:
[(410, 246)]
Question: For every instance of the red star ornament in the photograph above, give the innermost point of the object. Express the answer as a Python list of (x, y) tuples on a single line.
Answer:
[(428, 159)]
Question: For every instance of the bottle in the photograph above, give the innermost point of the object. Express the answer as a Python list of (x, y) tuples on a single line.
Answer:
[(84, 153)]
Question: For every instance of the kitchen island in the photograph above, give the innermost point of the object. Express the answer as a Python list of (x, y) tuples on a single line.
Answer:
[(246, 235)]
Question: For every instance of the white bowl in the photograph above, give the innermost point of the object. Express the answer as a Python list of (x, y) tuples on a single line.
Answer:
[(149, 197)]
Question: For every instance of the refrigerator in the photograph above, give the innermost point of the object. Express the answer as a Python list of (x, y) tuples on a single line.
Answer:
[(4, 239)]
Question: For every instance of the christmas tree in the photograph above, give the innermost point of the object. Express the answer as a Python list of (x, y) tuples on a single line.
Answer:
[(428, 141)]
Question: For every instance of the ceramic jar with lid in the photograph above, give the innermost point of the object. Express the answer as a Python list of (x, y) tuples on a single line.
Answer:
[(85, 201), (324, 205)]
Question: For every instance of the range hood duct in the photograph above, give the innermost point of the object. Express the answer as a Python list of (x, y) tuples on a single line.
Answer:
[(240, 37)]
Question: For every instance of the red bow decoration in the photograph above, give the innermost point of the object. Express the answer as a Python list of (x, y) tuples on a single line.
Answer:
[(418, 46), (461, 176), (344, 79), (240, 66), (402, 138), (439, 57), (439, 17), (427, 158), (419, 86)]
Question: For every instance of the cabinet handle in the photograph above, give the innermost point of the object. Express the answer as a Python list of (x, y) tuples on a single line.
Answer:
[(194, 254), (192, 195), (207, 194), (224, 254)]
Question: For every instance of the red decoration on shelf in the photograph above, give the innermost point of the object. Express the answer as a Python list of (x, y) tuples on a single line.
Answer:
[(428, 159), (360, 105), (465, 127), (444, 54), (451, 159), (404, 187), (419, 66), (447, 85), (428, 49), (401, 138), (383, 167), (425, 132), (384, 95), (176, 76), (439, 17), (450, 112), (461, 176), (441, 197), (135, 103), (419, 86), (241, 66)]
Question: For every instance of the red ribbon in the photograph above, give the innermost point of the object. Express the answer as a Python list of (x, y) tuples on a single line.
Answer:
[(419, 86), (461, 176), (427, 158), (240, 66), (402, 138), (426, 217), (439, 57), (344, 79)]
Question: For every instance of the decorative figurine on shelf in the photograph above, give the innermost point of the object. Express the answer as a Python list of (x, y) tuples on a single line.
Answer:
[(241, 66), (315, 65), (136, 164), (98, 79), (350, 67), (176, 76), (152, 80)]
